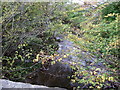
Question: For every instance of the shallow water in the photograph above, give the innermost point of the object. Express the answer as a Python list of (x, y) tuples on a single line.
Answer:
[(76, 54), (57, 74)]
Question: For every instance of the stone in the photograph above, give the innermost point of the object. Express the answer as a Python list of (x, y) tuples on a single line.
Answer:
[(10, 84), (55, 75)]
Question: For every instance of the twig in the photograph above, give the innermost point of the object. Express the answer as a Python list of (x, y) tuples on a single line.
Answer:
[(23, 68)]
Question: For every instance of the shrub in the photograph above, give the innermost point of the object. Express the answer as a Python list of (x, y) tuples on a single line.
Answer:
[(25, 33), (111, 8)]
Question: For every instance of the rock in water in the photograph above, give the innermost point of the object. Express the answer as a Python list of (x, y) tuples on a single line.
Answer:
[(55, 75)]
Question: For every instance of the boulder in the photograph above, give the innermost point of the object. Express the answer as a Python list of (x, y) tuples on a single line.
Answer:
[(18, 85), (53, 76)]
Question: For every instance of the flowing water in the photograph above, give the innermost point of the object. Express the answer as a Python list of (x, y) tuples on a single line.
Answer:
[(57, 74), (77, 55)]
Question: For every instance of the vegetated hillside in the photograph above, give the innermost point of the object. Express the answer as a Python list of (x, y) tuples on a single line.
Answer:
[(30, 32), (99, 33)]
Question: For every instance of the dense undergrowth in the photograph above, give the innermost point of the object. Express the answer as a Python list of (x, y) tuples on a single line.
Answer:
[(98, 33), (25, 34), (30, 29)]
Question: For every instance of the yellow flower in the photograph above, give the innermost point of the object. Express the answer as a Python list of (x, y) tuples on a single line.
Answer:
[(35, 60), (73, 63), (105, 16), (53, 62), (73, 10), (110, 78), (91, 73), (65, 56), (90, 87), (98, 69), (73, 80), (59, 59), (110, 14), (37, 57), (98, 86), (95, 72), (103, 78)]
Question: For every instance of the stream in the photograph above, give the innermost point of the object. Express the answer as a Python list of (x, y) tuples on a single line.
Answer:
[(57, 74), (77, 55)]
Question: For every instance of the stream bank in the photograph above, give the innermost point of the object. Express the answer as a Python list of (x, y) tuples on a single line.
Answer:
[(56, 75)]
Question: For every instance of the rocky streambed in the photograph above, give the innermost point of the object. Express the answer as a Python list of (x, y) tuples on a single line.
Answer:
[(72, 60), (57, 74)]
